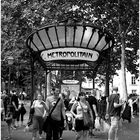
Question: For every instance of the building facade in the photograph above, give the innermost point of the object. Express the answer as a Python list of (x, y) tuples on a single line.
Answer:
[(133, 84)]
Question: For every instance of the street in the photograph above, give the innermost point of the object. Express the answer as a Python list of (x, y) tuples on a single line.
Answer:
[(130, 131)]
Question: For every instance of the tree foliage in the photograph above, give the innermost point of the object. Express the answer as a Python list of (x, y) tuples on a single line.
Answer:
[(21, 17)]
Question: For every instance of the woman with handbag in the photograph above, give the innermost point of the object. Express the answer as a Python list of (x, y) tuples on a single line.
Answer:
[(83, 117), (40, 110)]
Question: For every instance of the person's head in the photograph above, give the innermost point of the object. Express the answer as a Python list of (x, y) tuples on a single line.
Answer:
[(4, 92), (39, 97), (21, 97), (118, 95), (14, 91), (115, 89), (81, 96), (62, 95), (56, 92)]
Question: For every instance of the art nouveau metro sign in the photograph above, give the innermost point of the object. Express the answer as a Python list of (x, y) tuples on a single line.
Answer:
[(69, 53)]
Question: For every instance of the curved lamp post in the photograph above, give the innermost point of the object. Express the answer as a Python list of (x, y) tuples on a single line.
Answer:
[(10, 60)]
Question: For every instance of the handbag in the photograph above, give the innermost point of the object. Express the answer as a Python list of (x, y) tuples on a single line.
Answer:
[(30, 121), (32, 110), (29, 126), (48, 119), (22, 110), (86, 118), (97, 124), (126, 115), (106, 126)]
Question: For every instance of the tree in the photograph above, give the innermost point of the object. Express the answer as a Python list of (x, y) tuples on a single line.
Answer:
[(20, 18)]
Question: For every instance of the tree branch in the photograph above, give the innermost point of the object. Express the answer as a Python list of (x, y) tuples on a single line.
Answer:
[(131, 21), (119, 24)]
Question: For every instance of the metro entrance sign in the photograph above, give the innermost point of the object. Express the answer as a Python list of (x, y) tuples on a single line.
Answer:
[(69, 45), (70, 81), (70, 54)]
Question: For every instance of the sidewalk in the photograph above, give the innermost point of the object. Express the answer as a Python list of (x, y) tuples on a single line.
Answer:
[(130, 131)]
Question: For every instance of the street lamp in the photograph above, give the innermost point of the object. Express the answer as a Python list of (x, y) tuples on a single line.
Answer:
[(10, 60)]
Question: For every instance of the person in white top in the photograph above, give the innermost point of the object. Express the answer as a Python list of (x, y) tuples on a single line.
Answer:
[(38, 118), (131, 101), (23, 92), (2, 109), (78, 108)]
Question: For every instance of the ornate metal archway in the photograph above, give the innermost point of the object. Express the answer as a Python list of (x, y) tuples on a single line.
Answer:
[(70, 46)]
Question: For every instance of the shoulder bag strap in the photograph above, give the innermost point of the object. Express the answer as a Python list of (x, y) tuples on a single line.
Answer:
[(86, 103), (81, 107), (54, 107)]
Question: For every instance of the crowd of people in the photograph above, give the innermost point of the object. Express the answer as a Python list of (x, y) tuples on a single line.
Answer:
[(49, 115), (12, 109)]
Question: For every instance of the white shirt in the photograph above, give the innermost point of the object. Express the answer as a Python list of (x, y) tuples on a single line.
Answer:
[(130, 101), (39, 108), (80, 108)]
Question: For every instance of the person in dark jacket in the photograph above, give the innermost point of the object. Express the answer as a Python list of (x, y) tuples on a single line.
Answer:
[(93, 105), (6, 101), (55, 123), (21, 109), (15, 105)]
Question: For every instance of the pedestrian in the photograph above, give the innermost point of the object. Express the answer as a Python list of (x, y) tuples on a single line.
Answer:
[(66, 102), (103, 103), (102, 110), (6, 100), (8, 118), (130, 103), (15, 105), (137, 106), (63, 97), (72, 101), (93, 105), (114, 107), (54, 126), (78, 109), (23, 93), (98, 94), (21, 109), (2, 109), (40, 109)]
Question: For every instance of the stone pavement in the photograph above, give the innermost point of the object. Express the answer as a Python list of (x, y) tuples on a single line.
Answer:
[(129, 131)]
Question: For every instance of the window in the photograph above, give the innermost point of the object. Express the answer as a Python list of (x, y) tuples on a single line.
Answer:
[(133, 80)]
